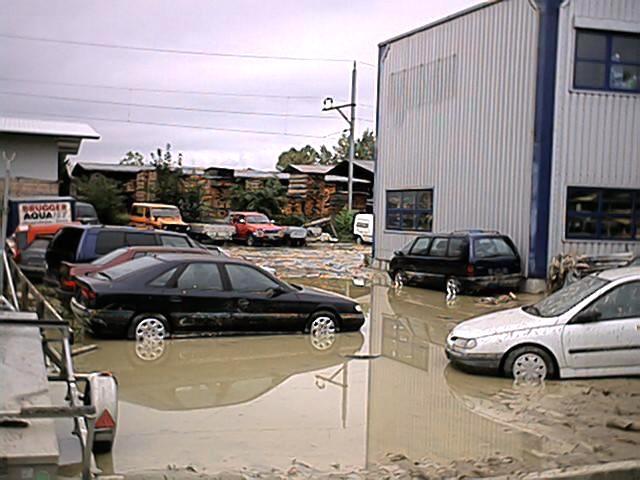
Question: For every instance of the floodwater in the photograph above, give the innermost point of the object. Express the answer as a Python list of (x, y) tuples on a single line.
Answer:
[(224, 403)]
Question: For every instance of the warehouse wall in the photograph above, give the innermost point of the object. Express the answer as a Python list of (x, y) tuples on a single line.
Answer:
[(456, 112), (36, 156), (597, 134)]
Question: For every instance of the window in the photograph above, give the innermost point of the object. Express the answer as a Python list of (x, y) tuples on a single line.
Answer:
[(457, 247), (119, 271), (103, 260), (174, 241), (439, 247), (603, 213), (421, 247), (563, 300), (163, 279), (607, 61), (247, 279), (621, 302), (492, 247), (200, 276), (410, 210), (140, 239), (108, 241), (85, 210)]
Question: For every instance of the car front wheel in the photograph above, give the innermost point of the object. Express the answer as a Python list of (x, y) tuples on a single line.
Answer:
[(529, 364), (322, 324), (399, 279)]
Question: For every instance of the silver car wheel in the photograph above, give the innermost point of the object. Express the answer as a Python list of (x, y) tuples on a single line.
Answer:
[(323, 342), (323, 326), (150, 328), (399, 279), (529, 367)]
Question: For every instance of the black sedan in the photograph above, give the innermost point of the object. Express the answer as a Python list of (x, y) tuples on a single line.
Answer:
[(175, 294)]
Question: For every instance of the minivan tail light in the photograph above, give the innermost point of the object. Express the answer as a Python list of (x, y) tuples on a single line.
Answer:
[(470, 269)]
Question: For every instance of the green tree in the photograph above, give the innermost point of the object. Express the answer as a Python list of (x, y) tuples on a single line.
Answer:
[(105, 195), (364, 146), (307, 155), (344, 225), (169, 172), (132, 158), (192, 202), (270, 199)]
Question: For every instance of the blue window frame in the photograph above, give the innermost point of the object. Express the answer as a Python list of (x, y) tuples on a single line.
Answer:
[(608, 61), (409, 210), (603, 214)]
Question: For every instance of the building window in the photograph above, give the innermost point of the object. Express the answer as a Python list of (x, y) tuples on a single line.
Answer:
[(603, 214), (410, 210), (607, 61)]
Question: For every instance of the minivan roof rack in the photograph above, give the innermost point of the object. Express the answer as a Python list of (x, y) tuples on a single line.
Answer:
[(476, 230)]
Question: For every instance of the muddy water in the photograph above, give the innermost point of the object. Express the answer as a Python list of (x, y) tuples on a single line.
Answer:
[(261, 402)]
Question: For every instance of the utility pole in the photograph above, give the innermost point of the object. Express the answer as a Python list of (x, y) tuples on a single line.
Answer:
[(351, 120)]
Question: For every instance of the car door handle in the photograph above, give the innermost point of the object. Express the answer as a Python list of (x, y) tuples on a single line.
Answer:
[(175, 299), (243, 303)]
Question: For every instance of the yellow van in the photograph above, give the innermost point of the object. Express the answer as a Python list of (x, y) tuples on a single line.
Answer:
[(157, 215)]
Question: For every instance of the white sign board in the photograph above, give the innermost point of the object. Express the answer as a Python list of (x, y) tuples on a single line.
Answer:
[(44, 212)]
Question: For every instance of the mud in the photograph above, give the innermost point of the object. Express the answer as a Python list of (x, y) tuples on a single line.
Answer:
[(383, 403)]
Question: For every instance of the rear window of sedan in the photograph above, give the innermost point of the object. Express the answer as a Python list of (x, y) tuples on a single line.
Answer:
[(124, 269)]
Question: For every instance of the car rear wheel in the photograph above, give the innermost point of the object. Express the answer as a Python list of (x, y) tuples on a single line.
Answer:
[(529, 364), (359, 240), (149, 327), (251, 241)]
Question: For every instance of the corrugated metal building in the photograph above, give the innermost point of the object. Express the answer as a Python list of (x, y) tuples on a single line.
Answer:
[(516, 115)]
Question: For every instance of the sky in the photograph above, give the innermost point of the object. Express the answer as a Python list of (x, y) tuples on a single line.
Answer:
[(109, 88)]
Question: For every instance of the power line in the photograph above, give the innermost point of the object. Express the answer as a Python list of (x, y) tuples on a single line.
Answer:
[(177, 51), (175, 125), (170, 107), (163, 90)]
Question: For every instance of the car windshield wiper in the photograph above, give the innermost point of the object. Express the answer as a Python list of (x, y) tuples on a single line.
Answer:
[(533, 310)]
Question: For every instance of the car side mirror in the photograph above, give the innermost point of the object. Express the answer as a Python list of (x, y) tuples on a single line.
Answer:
[(588, 316), (275, 292), (399, 253)]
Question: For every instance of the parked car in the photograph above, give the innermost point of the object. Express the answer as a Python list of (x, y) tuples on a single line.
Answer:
[(85, 213), (28, 247), (589, 328), (254, 228), (295, 236), (363, 228), (217, 233), (158, 216), (85, 243), (466, 261), (70, 272), (168, 294)]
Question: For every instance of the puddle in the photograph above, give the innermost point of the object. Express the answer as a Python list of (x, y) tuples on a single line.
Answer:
[(224, 403)]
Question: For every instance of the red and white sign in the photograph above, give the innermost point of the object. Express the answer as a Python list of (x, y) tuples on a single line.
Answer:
[(44, 212)]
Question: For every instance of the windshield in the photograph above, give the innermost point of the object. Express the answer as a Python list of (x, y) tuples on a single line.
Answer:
[(165, 212), (563, 300), (126, 268), (103, 260), (257, 219)]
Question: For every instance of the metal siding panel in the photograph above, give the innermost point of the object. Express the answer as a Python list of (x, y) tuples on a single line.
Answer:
[(596, 135), (475, 147)]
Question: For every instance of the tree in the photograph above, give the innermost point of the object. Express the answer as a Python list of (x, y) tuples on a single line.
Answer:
[(132, 158), (270, 199), (344, 225), (305, 156), (192, 202), (168, 173), (105, 195), (364, 146)]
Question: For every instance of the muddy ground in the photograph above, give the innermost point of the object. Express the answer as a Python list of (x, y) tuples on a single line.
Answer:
[(381, 403)]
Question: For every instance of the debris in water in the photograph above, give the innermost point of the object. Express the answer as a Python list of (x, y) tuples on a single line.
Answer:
[(623, 424), (83, 349)]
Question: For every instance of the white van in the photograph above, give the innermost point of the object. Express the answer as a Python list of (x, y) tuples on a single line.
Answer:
[(363, 228)]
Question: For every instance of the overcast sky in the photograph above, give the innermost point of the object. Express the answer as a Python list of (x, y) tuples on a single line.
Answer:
[(292, 28)]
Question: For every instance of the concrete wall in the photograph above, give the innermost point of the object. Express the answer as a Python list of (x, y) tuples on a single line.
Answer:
[(456, 112), (36, 156), (597, 134)]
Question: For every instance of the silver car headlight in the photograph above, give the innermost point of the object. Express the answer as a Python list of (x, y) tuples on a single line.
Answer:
[(464, 343)]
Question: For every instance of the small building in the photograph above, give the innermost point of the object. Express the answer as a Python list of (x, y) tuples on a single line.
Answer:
[(521, 116), (41, 149)]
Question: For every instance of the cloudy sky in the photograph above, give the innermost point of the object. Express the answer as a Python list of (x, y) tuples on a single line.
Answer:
[(220, 94)]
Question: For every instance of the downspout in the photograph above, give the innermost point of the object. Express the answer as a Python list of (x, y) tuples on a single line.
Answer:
[(548, 12)]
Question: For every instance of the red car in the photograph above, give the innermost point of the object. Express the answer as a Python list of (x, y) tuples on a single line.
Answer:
[(254, 228), (71, 271)]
